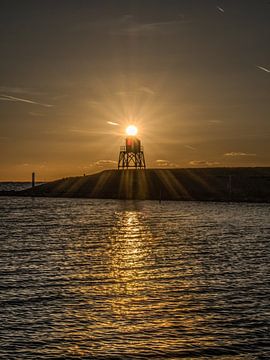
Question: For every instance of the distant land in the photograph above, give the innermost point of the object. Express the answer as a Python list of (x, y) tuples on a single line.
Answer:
[(207, 184)]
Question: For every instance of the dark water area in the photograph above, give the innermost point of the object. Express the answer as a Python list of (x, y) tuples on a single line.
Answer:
[(16, 186), (98, 279)]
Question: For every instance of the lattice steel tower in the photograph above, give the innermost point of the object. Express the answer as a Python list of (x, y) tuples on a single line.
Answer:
[(131, 155)]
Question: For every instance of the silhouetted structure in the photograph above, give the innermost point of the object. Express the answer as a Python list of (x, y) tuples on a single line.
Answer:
[(33, 179), (211, 184), (131, 155)]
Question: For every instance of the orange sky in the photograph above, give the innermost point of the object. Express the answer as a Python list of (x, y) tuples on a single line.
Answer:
[(193, 78)]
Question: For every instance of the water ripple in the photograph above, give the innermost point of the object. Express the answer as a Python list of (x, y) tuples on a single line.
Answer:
[(133, 280)]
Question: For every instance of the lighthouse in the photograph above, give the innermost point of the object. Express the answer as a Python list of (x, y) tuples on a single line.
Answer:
[(131, 155)]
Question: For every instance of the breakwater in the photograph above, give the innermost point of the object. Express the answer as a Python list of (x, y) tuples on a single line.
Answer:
[(211, 184)]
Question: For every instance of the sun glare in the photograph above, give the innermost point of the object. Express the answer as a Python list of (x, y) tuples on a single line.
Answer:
[(131, 130)]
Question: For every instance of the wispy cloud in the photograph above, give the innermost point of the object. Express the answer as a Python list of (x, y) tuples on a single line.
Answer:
[(142, 89), (105, 163), (85, 167), (34, 113), (112, 123), (129, 25), (239, 154), (165, 163), (123, 93), (263, 69), (132, 27), (100, 164), (146, 90), (19, 90), (190, 147), (32, 165), (4, 97), (155, 27), (203, 163), (215, 122), (94, 103)]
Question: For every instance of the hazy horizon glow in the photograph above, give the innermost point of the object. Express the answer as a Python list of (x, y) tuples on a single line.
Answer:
[(192, 75)]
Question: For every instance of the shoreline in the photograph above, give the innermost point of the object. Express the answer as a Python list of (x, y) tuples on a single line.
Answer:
[(204, 184)]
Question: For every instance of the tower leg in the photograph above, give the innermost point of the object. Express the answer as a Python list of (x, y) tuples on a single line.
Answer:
[(128, 160)]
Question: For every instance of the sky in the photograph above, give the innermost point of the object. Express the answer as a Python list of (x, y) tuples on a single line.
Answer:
[(192, 75)]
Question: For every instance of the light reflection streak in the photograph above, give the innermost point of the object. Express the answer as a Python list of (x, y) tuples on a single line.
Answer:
[(139, 290), (130, 256), (102, 279)]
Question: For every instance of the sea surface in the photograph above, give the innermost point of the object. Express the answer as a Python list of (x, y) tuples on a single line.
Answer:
[(12, 185), (100, 279)]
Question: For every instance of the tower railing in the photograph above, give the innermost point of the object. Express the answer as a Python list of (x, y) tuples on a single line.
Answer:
[(123, 148)]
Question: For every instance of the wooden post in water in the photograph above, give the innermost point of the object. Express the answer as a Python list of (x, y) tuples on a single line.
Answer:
[(230, 187), (33, 179)]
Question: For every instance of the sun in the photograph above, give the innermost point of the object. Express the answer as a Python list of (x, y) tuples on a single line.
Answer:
[(131, 130)]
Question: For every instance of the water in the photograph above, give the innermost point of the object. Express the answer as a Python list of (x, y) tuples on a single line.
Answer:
[(9, 185), (97, 279)]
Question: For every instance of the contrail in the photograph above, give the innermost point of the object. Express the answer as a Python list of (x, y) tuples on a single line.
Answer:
[(263, 68), (112, 123), (16, 99), (190, 147), (221, 9)]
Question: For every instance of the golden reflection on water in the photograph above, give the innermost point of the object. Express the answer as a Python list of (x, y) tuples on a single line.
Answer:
[(140, 293), (130, 256), (165, 281)]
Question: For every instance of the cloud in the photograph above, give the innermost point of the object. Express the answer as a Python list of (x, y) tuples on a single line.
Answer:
[(33, 165), (154, 27), (128, 25), (4, 97), (203, 163), (123, 93), (238, 154), (215, 121), (18, 90), (100, 164), (165, 163), (190, 147), (112, 123), (142, 89), (94, 103), (132, 27), (105, 163), (263, 69), (34, 113), (146, 90), (86, 167)]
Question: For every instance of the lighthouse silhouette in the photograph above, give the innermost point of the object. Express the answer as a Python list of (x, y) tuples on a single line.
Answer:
[(132, 154)]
